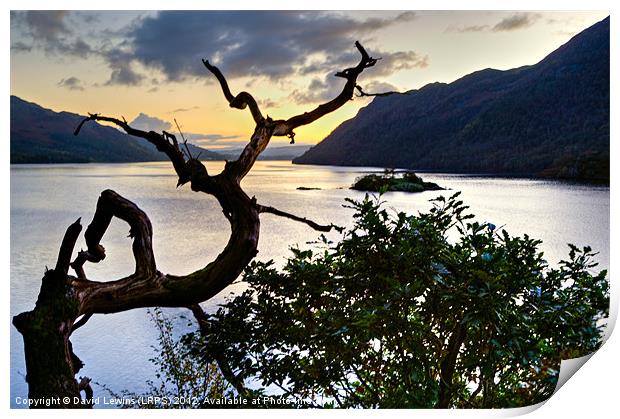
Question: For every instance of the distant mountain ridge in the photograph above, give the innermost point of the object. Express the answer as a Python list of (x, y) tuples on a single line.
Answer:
[(548, 119), (40, 135), (273, 152)]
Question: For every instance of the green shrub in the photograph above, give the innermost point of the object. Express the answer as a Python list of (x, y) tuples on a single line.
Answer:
[(184, 381), (401, 314)]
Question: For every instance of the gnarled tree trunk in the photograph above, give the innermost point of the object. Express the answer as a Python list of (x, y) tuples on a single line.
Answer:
[(66, 301)]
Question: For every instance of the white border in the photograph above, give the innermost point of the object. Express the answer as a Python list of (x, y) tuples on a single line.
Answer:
[(591, 393)]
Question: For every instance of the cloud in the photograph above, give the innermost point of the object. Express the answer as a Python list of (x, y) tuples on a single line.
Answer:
[(20, 46), (76, 48), (564, 20), (221, 144), (216, 140), (392, 62), (379, 87), (516, 21), (179, 110), (71, 83), (324, 90), (513, 22), (467, 29), (248, 43), (268, 103), (566, 33), (122, 74), (379, 23), (150, 123), (328, 87), (210, 137), (319, 90), (48, 25), (146, 122), (389, 63), (90, 18), (48, 30), (253, 44), (122, 71)]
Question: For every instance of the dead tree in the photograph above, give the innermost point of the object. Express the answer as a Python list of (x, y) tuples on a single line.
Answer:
[(66, 302)]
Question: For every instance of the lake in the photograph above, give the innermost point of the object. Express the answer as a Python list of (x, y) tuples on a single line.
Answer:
[(190, 230)]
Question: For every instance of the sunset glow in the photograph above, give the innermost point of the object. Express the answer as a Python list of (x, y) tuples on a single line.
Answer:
[(131, 63)]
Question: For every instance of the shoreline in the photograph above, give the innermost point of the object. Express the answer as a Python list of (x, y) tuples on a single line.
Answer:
[(369, 170)]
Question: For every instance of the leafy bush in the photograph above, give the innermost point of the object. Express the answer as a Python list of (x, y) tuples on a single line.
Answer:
[(401, 313), (185, 381)]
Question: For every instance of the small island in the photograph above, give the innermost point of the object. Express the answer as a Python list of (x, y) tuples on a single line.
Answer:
[(390, 182), (307, 188)]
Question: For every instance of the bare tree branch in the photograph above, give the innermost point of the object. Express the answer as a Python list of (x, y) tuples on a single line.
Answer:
[(84, 256), (66, 248), (285, 128), (279, 213), (84, 385), (111, 204), (50, 363), (258, 143), (148, 287), (160, 141), (363, 94), (85, 318), (242, 100), (262, 133), (234, 379), (266, 127)]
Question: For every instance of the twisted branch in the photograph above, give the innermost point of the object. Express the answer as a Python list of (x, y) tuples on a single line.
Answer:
[(46, 329), (66, 248), (285, 128), (314, 225), (111, 204), (242, 100), (165, 142), (266, 127), (364, 94)]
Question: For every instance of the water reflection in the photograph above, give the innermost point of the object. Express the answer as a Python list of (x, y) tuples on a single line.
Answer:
[(190, 230)]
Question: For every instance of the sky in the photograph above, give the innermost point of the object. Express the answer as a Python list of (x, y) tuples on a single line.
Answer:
[(146, 65)]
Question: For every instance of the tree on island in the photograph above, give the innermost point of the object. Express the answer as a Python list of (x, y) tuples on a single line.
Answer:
[(388, 182)]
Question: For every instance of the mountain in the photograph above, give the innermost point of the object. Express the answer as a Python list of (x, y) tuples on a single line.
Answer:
[(549, 119), (287, 152), (40, 135)]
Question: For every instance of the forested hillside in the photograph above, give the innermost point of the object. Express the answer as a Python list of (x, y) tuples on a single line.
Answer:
[(549, 119)]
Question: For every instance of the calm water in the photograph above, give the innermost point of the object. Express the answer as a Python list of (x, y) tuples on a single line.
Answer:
[(190, 230)]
